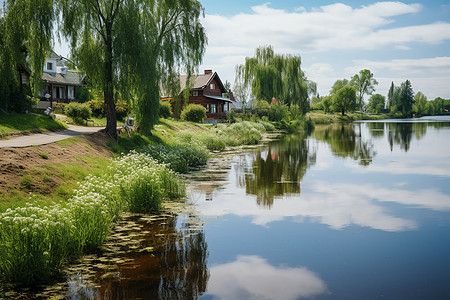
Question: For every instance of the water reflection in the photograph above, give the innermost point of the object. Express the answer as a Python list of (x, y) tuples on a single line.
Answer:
[(344, 141), (146, 258), (252, 277), (278, 170)]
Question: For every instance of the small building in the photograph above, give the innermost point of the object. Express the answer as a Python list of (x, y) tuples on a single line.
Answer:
[(207, 90), (60, 82)]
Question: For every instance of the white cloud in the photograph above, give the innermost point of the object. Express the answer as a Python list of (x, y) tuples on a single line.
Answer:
[(336, 26), (411, 67), (428, 75), (330, 33), (252, 277)]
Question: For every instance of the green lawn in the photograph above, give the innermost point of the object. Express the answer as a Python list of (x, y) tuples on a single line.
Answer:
[(13, 123)]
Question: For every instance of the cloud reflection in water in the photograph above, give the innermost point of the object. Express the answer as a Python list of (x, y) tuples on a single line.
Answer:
[(252, 277)]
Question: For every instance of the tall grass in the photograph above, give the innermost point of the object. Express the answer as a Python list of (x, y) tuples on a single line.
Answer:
[(36, 241), (242, 133), (180, 158)]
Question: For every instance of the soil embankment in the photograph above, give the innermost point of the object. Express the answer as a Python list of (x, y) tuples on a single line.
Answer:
[(37, 163)]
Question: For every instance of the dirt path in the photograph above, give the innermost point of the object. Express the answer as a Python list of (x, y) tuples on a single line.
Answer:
[(47, 138)]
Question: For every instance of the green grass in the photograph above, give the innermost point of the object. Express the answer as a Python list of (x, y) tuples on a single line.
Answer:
[(98, 122), (14, 123)]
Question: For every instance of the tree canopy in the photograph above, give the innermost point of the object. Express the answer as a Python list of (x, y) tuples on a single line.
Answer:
[(420, 104), (403, 99), (345, 99), (25, 40), (364, 84), (272, 75), (376, 103), (130, 47)]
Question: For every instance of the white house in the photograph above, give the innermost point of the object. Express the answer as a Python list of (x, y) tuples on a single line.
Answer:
[(60, 83)]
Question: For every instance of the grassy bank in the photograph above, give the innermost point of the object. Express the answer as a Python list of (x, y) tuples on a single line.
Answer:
[(319, 117), (39, 237), (20, 123)]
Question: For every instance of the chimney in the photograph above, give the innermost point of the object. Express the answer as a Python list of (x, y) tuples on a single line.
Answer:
[(208, 72)]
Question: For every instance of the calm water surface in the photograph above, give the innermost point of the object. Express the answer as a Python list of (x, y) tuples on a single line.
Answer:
[(357, 211)]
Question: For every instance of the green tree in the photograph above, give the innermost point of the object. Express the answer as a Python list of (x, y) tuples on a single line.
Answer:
[(364, 84), (376, 103), (272, 75), (420, 104), (406, 99), (402, 100), (25, 41), (327, 103), (345, 99), (390, 96), (340, 83), (134, 46)]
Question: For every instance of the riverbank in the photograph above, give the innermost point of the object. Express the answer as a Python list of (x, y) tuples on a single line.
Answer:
[(33, 247), (319, 117)]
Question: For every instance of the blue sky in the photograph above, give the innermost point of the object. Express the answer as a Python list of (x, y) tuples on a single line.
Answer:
[(336, 39), (395, 40)]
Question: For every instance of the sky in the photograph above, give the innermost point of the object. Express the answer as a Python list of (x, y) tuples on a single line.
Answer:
[(335, 39)]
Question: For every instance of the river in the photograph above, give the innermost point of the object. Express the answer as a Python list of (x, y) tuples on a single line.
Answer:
[(358, 211)]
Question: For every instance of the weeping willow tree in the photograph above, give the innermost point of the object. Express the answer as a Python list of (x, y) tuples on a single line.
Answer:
[(272, 75), (25, 41), (134, 46)]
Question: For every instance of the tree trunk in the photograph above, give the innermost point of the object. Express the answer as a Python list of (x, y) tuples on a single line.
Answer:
[(108, 89)]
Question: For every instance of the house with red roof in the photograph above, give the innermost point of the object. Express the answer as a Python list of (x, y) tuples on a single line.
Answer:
[(208, 90)]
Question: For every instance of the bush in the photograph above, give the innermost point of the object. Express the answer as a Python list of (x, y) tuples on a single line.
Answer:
[(165, 109), (59, 108), (83, 94), (295, 111), (180, 158), (278, 112), (97, 107), (78, 111), (121, 110), (194, 113), (231, 116)]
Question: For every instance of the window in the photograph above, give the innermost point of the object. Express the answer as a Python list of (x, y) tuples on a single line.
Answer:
[(212, 86), (195, 93), (207, 108), (49, 66), (213, 108)]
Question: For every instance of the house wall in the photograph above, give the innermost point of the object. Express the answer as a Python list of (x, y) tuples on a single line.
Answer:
[(216, 91), (53, 62)]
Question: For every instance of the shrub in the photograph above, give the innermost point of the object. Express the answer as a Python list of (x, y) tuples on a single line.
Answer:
[(194, 113), (295, 111), (83, 94), (243, 133), (212, 142), (165, 109), (231, 116), (179, 158), (59, 108), (278, 112), (268, 126), (121, 110), (97, 107), (78, 111)]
